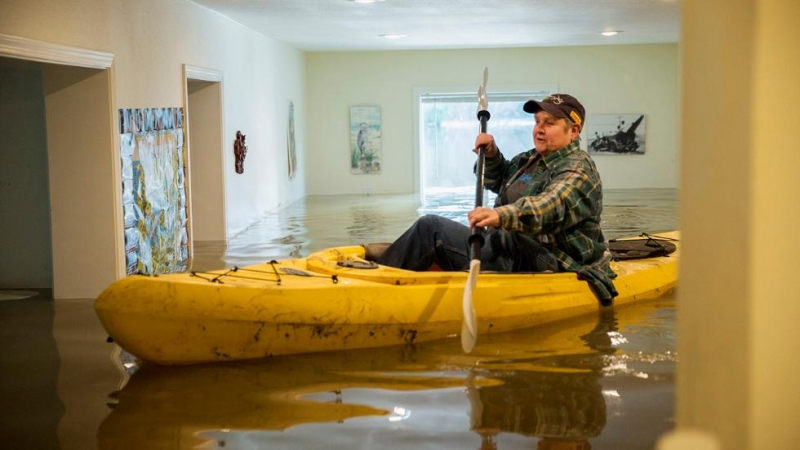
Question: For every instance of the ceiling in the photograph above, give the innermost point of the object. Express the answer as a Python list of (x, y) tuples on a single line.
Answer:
[(344, 25)]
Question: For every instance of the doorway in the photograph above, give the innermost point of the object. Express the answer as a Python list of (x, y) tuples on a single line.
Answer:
[(25, 240), (57, 181), (206, 162)]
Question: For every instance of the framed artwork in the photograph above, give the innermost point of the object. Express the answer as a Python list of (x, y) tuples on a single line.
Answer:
[(365, 139), (154, 190), (290, 146), (615, 134)]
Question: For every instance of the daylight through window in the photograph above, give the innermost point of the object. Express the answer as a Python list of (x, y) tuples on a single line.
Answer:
[(449, 126)]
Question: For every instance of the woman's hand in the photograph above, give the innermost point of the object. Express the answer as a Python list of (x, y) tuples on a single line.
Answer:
[(483, 217), (488, 141)]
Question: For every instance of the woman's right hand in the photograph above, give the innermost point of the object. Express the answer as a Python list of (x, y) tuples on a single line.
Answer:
[(486, 140)]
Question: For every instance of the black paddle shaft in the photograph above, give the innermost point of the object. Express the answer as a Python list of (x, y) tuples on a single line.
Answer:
[(476, 239)]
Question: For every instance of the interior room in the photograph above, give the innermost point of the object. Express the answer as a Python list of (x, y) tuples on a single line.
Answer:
[(264, 93)]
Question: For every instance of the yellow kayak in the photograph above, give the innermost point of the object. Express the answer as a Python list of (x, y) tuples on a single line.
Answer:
[(336, 299)]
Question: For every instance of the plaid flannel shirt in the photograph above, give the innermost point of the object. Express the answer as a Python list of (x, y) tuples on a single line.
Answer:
[(560, 208)]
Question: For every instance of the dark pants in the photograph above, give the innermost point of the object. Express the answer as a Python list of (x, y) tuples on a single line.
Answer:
[(434, 239)]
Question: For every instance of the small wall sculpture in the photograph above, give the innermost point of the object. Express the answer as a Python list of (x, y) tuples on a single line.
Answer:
[(239, 151)]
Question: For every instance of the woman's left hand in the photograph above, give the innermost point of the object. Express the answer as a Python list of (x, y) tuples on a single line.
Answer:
[(483, 217)]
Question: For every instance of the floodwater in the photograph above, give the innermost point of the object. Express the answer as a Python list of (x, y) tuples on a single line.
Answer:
[(602, 381)]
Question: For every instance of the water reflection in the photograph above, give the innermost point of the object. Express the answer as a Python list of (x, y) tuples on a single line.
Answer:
[(315, 223), (318, 222), (561, 402), (581, 384), (57, 380), (539, 388), (29, 362), (629, 212)]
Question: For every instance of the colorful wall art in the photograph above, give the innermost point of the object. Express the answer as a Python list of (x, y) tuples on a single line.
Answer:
[(154, 190), (365, 139)]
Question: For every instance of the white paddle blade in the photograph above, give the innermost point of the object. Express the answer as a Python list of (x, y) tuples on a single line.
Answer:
[(469, 327), (483, 101)]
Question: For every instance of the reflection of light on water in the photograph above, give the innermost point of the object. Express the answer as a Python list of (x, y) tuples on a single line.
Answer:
[(617, 338), (623, 369), (17, 295), (616, 368), (613, 399), (619, 364), (399, 413)]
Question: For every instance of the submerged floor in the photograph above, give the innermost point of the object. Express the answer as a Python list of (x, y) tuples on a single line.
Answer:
[(603, 381)]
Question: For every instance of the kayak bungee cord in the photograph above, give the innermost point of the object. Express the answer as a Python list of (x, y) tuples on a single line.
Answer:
[(652, 241), (271, 264), (653, 236), (233, 273)]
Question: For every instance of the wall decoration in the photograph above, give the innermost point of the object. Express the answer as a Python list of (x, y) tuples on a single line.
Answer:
[(365, 139), (154, 190), (290, 148), (239, 151), (616, 134)]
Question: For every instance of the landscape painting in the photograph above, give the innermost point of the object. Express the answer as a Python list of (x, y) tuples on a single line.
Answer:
[(365, 139)]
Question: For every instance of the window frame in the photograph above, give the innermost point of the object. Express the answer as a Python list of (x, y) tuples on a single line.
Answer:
[(503, 92)]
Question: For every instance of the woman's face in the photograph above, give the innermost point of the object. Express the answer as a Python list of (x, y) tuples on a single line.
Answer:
[(552, 133)]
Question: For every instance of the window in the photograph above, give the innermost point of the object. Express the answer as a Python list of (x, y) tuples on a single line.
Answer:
[(449, 125)]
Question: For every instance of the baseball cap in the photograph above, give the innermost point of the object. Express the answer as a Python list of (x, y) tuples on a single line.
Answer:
[(559, 105)]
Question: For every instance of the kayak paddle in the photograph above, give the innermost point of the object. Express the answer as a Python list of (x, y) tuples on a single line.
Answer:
[(469, 327)]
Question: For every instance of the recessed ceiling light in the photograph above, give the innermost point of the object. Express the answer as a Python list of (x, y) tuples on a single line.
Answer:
[(611, 33), (393, 36), (366, 1)]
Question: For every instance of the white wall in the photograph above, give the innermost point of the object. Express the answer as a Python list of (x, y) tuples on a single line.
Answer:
[(151, 40), (79, 143), (607, 79)]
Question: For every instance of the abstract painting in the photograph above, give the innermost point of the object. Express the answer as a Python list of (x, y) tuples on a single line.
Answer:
[(616, 134), (154, 190)]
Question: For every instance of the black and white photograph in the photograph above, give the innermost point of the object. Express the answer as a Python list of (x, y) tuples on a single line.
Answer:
[(616, 134)]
